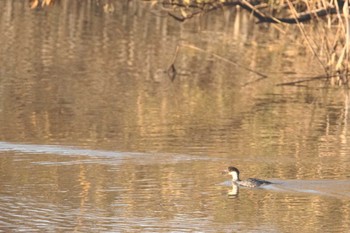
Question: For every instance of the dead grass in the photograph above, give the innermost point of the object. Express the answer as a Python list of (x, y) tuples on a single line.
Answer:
[(330, 41)]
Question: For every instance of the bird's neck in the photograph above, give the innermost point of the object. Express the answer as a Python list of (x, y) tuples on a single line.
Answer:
[(235, 177)]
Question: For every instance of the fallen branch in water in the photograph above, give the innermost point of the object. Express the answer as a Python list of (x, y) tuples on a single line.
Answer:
[(341, 81), (252, 7)]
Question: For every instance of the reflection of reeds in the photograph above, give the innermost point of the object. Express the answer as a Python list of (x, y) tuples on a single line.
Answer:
[(108, 7), (40, 3), (329, 43)]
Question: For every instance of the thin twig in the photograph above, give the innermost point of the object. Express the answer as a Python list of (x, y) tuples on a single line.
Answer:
[(308, 79), (225, 60)]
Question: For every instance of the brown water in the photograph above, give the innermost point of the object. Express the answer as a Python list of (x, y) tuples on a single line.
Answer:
[(95, 137)]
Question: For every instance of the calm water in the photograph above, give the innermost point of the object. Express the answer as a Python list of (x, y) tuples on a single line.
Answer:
[(95, 137)]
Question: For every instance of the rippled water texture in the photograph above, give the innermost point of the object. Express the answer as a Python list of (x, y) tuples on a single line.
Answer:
[(95, 136)]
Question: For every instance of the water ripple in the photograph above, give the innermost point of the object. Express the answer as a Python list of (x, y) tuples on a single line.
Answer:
[(96, 156)]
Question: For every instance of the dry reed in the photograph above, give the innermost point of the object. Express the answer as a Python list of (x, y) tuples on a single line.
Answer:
[(328, 41)]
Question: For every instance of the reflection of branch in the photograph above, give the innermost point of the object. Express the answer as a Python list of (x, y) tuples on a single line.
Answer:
[(310, 79), (172, 70), (294, 20), (253, 9), (183, 18), (187, 15), (254, 81)]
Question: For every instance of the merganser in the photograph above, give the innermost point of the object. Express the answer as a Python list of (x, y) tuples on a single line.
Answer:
[(251, 182)]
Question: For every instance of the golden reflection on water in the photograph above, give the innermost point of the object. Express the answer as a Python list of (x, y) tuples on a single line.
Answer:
[(96, 81), (187, 191)]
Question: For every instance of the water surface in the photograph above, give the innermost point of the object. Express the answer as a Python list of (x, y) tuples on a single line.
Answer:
[(95, 137)]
